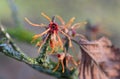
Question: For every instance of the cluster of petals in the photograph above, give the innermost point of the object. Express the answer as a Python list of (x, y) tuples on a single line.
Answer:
[(52, 31)]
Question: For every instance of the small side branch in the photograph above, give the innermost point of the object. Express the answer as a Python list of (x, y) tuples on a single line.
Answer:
[(10, 49)]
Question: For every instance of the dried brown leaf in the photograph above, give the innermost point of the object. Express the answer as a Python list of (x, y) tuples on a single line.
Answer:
[(93, 53)]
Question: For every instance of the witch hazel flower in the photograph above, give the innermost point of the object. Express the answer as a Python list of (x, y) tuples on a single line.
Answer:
[(69, 28), (64, 57), (52, 30)]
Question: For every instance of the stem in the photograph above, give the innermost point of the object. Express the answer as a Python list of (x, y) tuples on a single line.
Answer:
[(43, 55)]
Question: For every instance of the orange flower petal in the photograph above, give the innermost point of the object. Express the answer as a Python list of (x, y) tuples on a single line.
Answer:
[(39, 35), (61, 20), (42, 43), (51, 44), (63, 68), (60, 42), (47, 17), (70, 42), (77, 25), (56, 66), (41, 25), (70, 22)]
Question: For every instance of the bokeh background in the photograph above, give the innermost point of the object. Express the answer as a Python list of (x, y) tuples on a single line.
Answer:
[(105, 13)]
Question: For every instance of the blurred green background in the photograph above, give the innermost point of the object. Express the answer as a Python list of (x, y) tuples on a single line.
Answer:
[(103, 12)]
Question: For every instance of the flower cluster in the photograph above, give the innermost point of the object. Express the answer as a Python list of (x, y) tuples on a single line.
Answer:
[(69, 28), (53, 30), (68, 59)]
